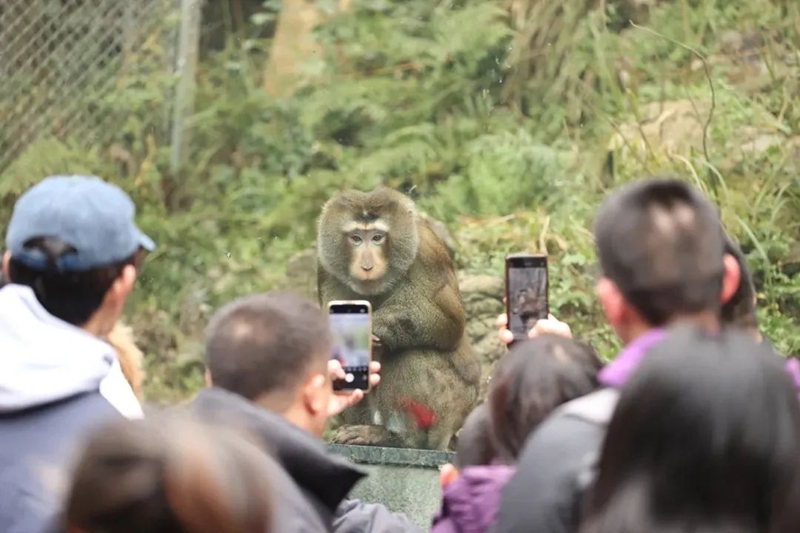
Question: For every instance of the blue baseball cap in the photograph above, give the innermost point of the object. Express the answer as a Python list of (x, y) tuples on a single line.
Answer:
[(85, 212)]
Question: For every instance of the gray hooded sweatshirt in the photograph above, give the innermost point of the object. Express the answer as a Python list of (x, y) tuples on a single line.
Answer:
[(57, 383)]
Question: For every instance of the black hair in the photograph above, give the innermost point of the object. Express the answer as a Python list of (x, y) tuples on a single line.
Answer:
[(170, 474), (740, 310), (705, 438), (530, 381), (266, 343), (474, 446), (661, 242), (72, 296)]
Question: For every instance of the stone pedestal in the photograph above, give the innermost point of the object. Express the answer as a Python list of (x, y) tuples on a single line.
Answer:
[(404, 480)]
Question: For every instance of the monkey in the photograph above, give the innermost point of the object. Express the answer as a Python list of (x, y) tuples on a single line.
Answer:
[(528, 306), (374, 246)]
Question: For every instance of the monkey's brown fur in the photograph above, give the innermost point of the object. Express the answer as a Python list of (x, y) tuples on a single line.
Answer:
[(374, 246)]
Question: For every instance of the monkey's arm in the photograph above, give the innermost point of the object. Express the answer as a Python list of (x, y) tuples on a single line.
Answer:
[(410, 319), (426, 311)]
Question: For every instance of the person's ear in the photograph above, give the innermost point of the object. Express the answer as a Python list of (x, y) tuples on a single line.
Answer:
[(122, 286), (731, 278), (316, 394), (611, 300), (7, 266)]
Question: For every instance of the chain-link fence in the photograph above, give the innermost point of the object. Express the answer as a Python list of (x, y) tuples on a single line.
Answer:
[(59, 58)]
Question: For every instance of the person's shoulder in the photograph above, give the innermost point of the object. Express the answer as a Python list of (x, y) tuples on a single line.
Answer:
[(588, 414), (554, 467), (595, 408)]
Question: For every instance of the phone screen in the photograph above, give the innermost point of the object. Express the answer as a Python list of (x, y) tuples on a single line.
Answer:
[(526, 292), (351, 323)]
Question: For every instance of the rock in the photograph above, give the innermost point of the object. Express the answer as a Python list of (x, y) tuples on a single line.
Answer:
[(483, 301), (676, 128), (665, 128), (757, 142), (731, 41)]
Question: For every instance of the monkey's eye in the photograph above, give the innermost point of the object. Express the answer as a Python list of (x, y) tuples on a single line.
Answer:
[(356, 239), (378, 238)]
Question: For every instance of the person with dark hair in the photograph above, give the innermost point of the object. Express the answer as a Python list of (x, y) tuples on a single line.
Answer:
[(662, 253), (741, 310), (704, 438), (73, 251), (170, 475), (532, 380), (269, 365), (474, 446)]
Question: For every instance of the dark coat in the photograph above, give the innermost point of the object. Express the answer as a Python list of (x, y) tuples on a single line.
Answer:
[(313, 484)]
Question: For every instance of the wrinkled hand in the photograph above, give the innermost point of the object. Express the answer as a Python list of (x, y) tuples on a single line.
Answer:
[(550, 325), (341, 400)]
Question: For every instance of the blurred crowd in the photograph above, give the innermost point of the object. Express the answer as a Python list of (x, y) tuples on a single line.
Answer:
[(694, 427)]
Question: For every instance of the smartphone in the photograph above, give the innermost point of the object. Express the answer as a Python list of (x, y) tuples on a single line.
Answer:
[(351, 323), (526, 292)]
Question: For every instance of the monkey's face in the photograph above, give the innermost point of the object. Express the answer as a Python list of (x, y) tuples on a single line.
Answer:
[(368, 241), (368, 264)]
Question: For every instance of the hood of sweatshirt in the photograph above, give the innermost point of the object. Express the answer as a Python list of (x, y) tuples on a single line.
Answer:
[(44, 359)]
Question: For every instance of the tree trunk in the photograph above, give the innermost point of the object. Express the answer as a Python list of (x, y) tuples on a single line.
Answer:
[(294, 45)]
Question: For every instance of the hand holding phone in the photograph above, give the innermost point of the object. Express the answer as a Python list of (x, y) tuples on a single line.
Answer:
[(526, 292), (351, 324)]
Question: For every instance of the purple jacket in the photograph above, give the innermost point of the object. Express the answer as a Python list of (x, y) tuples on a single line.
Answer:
[(470, 503), (616, 373)]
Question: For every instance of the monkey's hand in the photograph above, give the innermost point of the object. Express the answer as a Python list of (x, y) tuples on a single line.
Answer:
[(416, 321), (377, 348)]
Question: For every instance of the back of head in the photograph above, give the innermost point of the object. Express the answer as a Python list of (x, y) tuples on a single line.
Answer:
[(740, 310), (475, 446), (169, 476), (69, 239), (264, 346), (661, 242), (530, 381), (72, 296), (704, 438)]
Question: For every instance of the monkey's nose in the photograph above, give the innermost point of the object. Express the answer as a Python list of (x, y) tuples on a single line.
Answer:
[(366, 267)]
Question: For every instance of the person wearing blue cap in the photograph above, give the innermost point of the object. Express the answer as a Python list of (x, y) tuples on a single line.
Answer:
[(72, 255)]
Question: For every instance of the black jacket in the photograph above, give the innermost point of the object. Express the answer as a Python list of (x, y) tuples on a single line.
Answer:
[(556, 467), (313, 484)]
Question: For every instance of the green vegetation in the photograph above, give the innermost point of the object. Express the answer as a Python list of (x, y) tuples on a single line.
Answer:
[(508, 123)]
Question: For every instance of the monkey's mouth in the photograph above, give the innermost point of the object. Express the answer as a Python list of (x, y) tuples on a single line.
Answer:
[(368, 277), (368, 286)]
